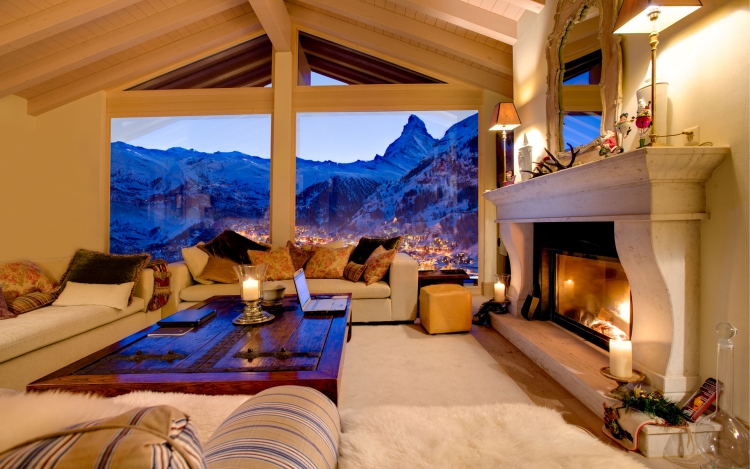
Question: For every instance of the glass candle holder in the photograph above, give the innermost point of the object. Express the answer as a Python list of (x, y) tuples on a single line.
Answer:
[(500, 290), (251, 292)]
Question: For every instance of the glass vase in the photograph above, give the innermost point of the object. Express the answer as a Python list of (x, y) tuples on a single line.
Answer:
[(722, 440), (251, 292)]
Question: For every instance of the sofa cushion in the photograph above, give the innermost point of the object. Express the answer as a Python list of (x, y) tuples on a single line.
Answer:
[(282, 427), (101, 268), (79, 294), (354, 271), (377, 264), (279, 262), (232, 246), (299, 256), (52, 324), (5, 312), (196, 260), (166, 439), (328, 263), (358, 290), (367, 246), (31, 301), (23, 277), (218, 270)]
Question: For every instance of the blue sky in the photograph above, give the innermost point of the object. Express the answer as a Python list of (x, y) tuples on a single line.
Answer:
[(340, 137)]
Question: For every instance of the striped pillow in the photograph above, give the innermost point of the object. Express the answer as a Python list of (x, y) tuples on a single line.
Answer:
[(286, 426), (150, 437), (30, 302), (354, 271)]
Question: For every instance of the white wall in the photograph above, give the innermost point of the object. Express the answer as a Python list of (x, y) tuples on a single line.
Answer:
[(52, 185), (706, 60)]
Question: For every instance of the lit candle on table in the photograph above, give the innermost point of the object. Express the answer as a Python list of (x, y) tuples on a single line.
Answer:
[(621, 358), (499, 291), (250, 289)]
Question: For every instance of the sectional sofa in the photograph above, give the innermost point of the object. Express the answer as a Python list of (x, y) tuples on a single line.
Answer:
[(392, 299), (41, 341)]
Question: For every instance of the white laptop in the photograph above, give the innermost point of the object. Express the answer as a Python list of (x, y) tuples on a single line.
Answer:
[(309, 304)]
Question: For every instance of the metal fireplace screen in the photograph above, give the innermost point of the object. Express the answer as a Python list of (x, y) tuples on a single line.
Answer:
[(591, 292)]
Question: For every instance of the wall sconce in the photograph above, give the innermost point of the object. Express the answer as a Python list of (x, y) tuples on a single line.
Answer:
[(504, 117), (651, 16)]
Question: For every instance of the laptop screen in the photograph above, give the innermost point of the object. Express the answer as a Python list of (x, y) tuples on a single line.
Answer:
[(300, 283)]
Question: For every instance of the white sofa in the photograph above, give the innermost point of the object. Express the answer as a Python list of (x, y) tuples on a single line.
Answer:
[(41, 341), (392, 299)]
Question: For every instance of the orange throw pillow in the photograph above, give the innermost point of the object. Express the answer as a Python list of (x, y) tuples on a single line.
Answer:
[(280, 266), (377, 264), (328, 263)]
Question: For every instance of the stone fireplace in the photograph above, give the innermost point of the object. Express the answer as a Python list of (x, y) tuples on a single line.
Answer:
[(653, 199)]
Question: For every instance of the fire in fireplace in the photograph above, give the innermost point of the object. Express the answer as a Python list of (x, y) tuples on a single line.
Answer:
[(582, 284)]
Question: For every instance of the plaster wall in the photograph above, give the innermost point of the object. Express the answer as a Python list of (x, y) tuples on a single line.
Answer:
[(706, 60), (53, 190)]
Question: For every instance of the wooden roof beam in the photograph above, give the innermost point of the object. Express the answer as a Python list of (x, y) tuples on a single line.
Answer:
[(275, 20), (421, 32), (467, 16), (54, 20), (110, 43), (176, 54), (400, 50)]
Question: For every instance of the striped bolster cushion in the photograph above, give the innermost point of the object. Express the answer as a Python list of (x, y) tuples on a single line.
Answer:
[(291, 427), (150, 437)]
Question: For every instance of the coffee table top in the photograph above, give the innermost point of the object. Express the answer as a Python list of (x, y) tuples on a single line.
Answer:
[(215, 356)]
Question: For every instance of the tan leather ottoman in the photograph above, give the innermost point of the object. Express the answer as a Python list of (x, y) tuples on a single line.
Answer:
[(445, 308)]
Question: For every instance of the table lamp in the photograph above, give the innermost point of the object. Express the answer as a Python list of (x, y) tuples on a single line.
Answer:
[(652, 16), (504, 118)]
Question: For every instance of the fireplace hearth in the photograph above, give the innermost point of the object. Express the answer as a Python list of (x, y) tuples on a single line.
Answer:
[(582, 284)]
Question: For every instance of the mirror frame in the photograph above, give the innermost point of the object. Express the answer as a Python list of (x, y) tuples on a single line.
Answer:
[(610, 85)]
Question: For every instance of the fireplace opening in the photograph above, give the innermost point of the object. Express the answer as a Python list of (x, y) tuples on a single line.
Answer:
[(581, 282)]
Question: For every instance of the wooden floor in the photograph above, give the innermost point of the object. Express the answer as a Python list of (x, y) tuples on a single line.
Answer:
[(543, 390)]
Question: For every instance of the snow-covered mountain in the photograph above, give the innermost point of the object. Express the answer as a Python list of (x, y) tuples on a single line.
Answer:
[(162, 200)]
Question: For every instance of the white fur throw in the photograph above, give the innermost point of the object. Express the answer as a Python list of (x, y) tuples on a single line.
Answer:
[(508, 436), (25, 416)]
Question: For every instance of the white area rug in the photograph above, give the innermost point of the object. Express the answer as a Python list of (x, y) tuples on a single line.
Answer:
[(507, 436), (403, 365)]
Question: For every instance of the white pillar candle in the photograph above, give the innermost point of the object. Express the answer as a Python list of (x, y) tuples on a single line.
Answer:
[(250, 290), (621, 358), (499, 292)]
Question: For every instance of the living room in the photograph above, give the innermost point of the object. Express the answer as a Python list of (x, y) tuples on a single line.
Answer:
[(57, 117)]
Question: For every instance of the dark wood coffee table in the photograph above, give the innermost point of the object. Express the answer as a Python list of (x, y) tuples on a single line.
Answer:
[(218, 357)]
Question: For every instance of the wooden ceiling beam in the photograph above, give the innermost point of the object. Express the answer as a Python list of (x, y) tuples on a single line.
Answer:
[(343, 73), (314, 21), (467, 16), (110, 43), (191, 48), (275, 20), (54, 20), (404, 26), (260, 76)]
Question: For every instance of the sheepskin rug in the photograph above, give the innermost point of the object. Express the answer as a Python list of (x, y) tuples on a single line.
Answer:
[(508, 436)]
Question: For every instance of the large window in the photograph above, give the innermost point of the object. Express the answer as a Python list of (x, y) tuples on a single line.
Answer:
[(179, 180), (391, 173)]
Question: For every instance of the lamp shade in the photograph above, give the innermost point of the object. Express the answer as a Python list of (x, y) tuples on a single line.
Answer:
[(504, 117), (635, 15)]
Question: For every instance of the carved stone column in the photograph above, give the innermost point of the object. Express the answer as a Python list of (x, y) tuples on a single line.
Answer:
[(518, 239)]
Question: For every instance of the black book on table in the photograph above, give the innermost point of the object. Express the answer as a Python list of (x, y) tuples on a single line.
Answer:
[(188, 318)]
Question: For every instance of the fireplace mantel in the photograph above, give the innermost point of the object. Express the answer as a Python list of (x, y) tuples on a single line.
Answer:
[(656, 197)]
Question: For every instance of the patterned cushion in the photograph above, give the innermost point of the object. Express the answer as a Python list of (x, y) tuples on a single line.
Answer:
[(282, 427), (151, 437), (5, 313), (377, 264), (367, 246), (299, 255), (332, 245), (219, 270), (21, 278), (30, 302), (232, 246), (328, 263), (105, 269), (162, 288), (354, 271), (280, 266)]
